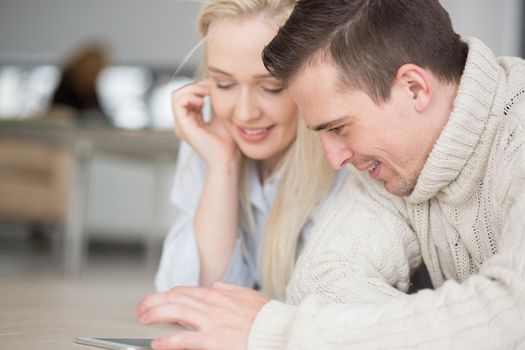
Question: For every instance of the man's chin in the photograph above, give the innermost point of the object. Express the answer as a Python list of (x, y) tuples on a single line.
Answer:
[(399, 188)]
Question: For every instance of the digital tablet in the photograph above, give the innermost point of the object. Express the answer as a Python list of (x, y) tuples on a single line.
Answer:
[(116, 343)]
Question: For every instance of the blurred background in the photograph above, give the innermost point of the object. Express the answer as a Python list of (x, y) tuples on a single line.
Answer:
[(86, 147)]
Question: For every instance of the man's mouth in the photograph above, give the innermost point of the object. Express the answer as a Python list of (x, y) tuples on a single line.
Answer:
[(374, 169), (373, 166)]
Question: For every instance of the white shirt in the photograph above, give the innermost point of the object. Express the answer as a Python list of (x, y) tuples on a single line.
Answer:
[(179, 263)]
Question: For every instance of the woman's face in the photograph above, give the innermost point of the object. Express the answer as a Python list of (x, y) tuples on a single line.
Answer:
[(258, 112)]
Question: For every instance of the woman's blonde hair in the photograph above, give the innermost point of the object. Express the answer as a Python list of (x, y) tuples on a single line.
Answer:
[(306, 180), (277, 10), (306, 174)]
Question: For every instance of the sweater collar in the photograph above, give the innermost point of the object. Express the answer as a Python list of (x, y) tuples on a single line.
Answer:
[(456, 163)]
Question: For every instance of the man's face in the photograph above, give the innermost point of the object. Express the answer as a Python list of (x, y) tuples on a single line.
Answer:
[(390, 140)]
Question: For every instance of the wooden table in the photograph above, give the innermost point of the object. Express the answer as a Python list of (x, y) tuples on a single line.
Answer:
[(48, 313)]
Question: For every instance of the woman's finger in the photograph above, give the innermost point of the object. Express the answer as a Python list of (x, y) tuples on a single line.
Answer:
[(203, 87), (187, 110), (189, 97)]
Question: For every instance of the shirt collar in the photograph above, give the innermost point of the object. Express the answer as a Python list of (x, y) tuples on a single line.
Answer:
[(263, 195)]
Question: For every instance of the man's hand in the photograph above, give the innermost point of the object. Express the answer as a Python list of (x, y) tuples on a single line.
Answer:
[(219, 317)]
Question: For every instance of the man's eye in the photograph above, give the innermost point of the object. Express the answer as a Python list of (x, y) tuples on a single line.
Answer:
[(337, 130)]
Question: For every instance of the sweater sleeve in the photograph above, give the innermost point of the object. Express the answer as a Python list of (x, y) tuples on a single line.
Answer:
[(360, 251), (487, 311), (179, 263)]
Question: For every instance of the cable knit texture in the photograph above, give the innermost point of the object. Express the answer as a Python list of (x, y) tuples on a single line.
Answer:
[(465, 219)]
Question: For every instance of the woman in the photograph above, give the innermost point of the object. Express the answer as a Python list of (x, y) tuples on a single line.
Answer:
[(232, 168)]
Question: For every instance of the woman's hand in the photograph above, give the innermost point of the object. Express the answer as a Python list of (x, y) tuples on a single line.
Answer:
[(216, 218), (211, 141)]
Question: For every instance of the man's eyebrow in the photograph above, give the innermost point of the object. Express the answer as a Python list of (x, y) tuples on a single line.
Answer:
[(329, 124)]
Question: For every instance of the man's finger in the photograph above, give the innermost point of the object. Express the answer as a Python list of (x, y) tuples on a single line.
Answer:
[(152, 300), (225, 286), (209, 295), (188, 299), (175, 313), (185, 340), (175, 295)]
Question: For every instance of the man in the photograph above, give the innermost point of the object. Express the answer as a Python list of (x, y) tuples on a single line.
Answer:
[(435, 128)]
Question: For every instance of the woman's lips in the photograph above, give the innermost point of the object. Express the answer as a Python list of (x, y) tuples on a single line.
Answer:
[(254, 134)]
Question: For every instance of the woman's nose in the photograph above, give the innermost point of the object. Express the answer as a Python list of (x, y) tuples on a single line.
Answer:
[(246, 108)]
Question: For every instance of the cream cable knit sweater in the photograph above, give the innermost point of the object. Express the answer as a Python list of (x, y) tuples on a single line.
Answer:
[(465, 220)]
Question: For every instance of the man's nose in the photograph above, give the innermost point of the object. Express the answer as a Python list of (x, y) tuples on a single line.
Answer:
[(337, 152)]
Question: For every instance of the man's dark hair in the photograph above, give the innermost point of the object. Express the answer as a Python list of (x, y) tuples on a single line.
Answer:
[(368, 40)]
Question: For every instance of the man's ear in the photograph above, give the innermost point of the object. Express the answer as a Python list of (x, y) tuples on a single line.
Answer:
[(416, 82)]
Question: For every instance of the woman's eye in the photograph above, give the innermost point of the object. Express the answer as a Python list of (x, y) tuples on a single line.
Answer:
[(273, 90), (224, 86)]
